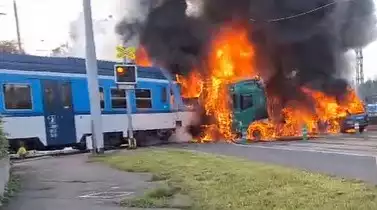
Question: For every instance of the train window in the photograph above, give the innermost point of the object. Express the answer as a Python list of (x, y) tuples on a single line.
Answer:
[(17, 96), (164, 95), (246, 101), (66, 95), (118, 99), (142, 93), (143, 98), (102, 97)]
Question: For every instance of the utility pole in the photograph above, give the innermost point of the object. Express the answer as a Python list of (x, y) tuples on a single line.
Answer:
[(17, 26), (92, 74), (359, 67)]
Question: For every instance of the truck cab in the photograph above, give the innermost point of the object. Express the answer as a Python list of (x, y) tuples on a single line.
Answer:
[(249, 103)]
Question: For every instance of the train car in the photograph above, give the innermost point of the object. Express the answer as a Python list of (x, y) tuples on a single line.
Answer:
[(44, 102)]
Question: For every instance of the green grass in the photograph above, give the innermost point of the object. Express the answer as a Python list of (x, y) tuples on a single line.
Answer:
[(219, 182), (11, 189), (160, 197), (4, 144)]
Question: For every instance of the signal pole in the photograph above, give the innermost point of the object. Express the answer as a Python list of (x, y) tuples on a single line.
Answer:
[(126, 78), (129, 113), (128, 90), (92, 75)]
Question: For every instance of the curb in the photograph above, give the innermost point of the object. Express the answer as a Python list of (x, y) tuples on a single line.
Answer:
[(47, 154)]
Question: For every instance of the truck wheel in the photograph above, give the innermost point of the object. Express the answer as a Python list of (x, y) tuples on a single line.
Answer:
[(257, 135)]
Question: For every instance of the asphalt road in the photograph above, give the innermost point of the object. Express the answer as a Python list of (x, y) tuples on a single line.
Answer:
[(70, 182), (351, 156)]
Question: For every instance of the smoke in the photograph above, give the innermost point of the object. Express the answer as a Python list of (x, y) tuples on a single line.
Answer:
[(117, 16), (314, 45), (176, 33), (134, 19), (105, 38), (174, 39)]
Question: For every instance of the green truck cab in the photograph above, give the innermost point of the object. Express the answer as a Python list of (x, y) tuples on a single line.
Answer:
[(249, 103)]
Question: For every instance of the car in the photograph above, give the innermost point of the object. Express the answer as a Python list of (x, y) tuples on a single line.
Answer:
[(350, 122)]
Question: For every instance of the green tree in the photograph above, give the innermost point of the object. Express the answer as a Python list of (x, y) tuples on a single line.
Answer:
[(369, 88), (60, 51), (9, 47)]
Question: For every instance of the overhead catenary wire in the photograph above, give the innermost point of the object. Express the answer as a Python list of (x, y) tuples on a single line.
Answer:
[(301, 13)]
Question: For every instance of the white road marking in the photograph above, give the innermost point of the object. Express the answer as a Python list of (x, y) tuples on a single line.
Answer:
[(102, 195), (303, 149), (346, 145)]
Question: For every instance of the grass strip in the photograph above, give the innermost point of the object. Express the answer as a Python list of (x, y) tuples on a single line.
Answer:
[(220, 182)]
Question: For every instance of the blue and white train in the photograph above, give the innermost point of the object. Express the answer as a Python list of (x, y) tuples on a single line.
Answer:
[(44, 102)]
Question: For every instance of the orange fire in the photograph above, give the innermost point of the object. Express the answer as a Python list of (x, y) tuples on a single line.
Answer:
[(328, 112), (142, 57), (230, 59), (294, 118), (329, 109), (192, 86)]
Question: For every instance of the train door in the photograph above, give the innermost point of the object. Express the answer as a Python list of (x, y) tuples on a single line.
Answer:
[(58, 112)]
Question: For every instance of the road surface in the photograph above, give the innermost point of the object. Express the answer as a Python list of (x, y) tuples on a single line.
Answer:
[(70, 182), (346, 155)]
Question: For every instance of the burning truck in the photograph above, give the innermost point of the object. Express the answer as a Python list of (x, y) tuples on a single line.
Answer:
[(221, 48), (247, 106), (232, 97)]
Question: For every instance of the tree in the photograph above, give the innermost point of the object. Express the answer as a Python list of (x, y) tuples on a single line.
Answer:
[(9, 47), (62, 50), (368, 88)]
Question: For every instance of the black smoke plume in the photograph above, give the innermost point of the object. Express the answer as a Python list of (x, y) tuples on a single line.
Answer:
[(298, 42), (312, 44)]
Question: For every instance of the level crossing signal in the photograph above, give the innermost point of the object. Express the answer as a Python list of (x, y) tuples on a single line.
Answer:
[(125, 74)]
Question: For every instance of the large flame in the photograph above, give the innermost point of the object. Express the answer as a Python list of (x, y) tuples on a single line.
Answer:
[(142, 57), (191, 86), (325, 116), (230, 59)]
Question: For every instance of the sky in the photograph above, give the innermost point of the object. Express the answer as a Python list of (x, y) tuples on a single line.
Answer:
[(45, 24)]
